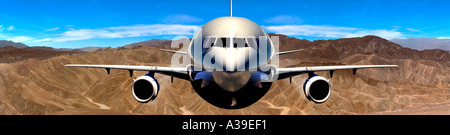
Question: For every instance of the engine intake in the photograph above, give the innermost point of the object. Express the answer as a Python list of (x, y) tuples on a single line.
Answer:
[(145, 89), (317, 89)]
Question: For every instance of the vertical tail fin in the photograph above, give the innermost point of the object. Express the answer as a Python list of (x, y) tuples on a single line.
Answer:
[(231, 8)]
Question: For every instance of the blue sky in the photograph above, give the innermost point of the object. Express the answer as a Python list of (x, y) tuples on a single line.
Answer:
[(84, 23)]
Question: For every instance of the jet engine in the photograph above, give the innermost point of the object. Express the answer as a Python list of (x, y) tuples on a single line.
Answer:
[(317, 89), (145, 88)]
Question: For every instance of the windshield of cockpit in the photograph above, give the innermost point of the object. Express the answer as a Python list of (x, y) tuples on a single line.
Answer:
[(260, 44), (227, 42)]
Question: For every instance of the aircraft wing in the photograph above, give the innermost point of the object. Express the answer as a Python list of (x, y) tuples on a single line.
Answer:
[(289, 72), (181, 73), (173, 51), (288, 52)]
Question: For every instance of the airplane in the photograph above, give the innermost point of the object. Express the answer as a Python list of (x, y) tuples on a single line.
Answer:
[(244, 49)]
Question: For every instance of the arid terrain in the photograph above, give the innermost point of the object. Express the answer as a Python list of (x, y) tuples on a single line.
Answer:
[(45, 86), (10, 54)]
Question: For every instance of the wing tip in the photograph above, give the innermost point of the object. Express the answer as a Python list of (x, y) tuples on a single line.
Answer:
[(173, 51), (291, 51)]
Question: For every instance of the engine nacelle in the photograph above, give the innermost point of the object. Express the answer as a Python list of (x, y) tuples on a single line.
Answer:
[(317, 89), (145, 89)]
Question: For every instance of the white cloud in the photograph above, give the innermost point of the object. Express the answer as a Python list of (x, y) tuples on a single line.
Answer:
[(20, 39), (332, 31), (181, 18), (53, 29), (443, 38), (40, 40), (284, 19), (127, 31), (10, 28), (413, 30)]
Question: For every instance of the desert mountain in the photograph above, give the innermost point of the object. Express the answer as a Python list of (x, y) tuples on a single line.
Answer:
[(36, 86), (4, 43), (13, 54), (82, 49), (153, 42), (424, 43)]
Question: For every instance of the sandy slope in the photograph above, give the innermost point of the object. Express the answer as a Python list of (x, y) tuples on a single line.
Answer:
[(430, 109)]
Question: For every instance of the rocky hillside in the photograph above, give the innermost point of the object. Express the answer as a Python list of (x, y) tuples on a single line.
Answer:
[(153, 42), (424, 43), (47, 87), (4, 43), (12, 54)]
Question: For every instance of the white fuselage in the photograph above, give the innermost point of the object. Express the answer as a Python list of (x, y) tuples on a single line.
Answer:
[(230, 57)]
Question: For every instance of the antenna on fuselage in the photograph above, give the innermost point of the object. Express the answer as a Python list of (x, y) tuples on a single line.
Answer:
[(231, 8)]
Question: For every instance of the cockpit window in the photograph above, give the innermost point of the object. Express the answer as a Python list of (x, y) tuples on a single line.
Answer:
[(239, 42), (209, 42), (252, 42), (236, 42)]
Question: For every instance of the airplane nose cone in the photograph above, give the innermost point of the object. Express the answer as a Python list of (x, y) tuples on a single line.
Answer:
[(231, 81), (235, 59), (229, 59)]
